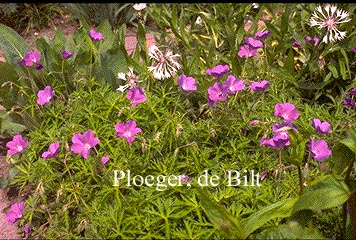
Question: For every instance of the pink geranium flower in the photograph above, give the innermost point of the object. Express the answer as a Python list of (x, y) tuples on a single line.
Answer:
[(286, 111), (32, 57), (95, 36), (217, 92), (186, 83), (127, 130), (233, 84), (15, 213), (319, 149), (45, 95), (321, 127), (259, 86), (83, 143), (52, 151), (16, 145), (66, 54), (255, 43), (246, 51), (218, 71), (262, 35), (136, 96)]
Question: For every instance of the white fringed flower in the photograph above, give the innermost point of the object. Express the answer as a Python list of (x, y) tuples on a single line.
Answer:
[(130, 78), (329, 18), (163, 65), (139, 6)]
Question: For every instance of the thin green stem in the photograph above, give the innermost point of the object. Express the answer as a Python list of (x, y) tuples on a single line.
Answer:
[(350, 203), (300, 175)]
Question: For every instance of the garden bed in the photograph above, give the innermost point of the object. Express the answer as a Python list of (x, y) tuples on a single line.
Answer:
[(235, 121)]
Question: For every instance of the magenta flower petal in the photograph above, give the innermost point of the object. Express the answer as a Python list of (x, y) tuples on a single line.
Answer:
[(15, 212), (259, 86), (53, 150), (233, 84), (262, 35), (316, 41), (349, 102), (45, 95), (66, 54), (253, 42), (319, 149), (217, 92), (218, 71), (95, 36), (136, 96), (18, 144), (297, 44), (308, 38), (186, 83), (32, 57), (321, 127), (26, 229), (286, 111), (83, 143), (280, 139), (105, 159), (246, 51), (127, 130), (352, 92)]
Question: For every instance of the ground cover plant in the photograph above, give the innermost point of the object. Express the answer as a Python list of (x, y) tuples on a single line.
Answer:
[(217, 131)]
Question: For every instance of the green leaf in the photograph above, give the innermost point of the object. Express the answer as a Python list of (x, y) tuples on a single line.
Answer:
[(291, 230), (343, 52), (326, 193), (289, 63), (281, 209), (341, 157), (333, 69), (219, 216), (109, 40), (15, 47), (350, 142), (342, 68)]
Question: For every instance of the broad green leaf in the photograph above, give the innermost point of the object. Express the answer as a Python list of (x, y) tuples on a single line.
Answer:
[(326, 193), (8, 126), (291, 230), (219, 216), (281, 209), (15, 47), (110, 41), (350, 142), (341, 157), (8, 73)]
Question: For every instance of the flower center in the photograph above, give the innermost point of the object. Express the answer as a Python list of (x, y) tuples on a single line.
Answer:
[(19, 148), (330, 22), (162, 59), (127, 134), (285, 116), (86, 146)]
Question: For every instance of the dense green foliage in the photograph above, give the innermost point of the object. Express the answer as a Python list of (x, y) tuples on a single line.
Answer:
[(69, 196)]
